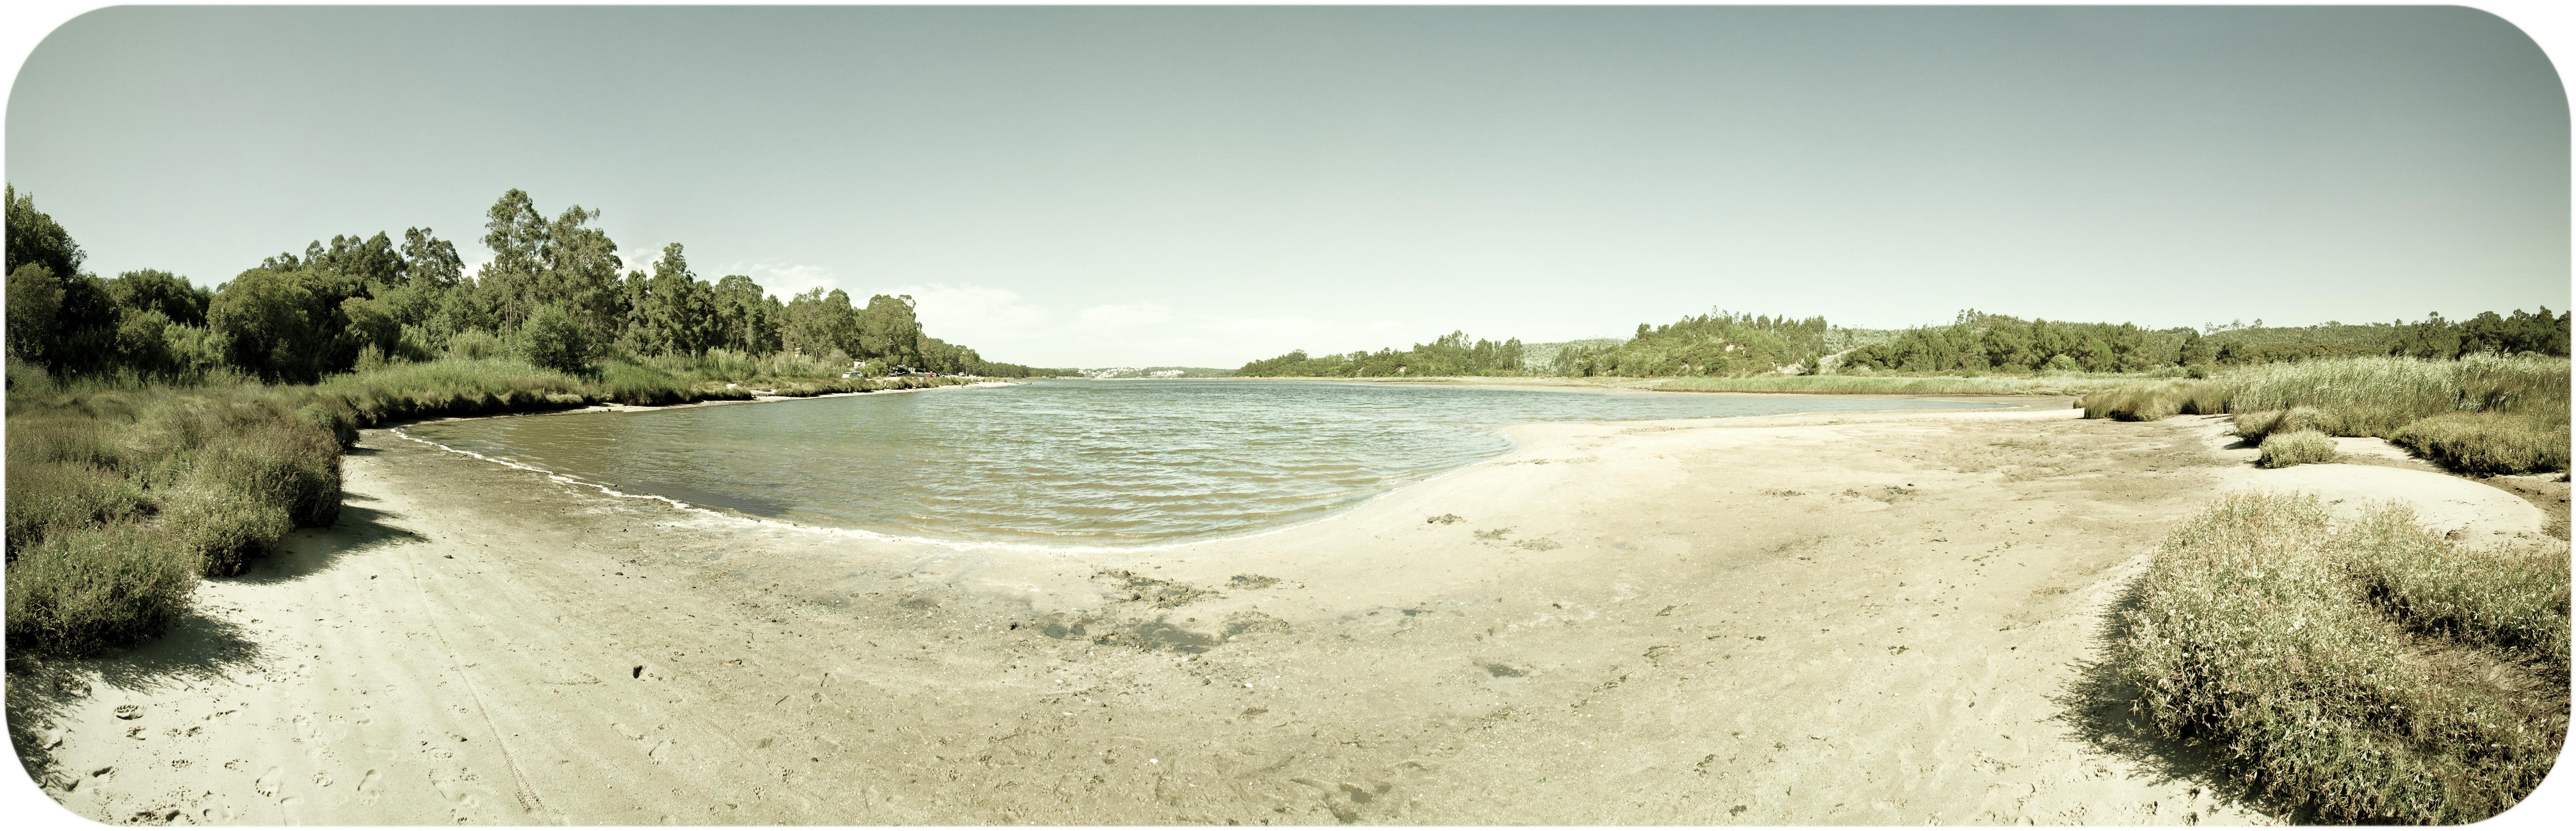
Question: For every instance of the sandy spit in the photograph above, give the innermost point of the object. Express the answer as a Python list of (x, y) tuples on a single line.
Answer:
[(1880, 618)]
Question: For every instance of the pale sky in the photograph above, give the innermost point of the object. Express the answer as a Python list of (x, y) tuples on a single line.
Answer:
[(1099, 187)]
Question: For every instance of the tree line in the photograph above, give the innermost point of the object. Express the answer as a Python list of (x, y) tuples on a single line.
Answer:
[(1448, 355), (1724, 343), (556, 293)]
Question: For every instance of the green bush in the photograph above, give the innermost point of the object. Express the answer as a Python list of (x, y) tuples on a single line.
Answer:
[(2489, 443), (84, 589), (2250, 631), (2297, 447)]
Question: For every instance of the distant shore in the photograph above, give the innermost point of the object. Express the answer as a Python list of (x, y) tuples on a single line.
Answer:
[(1789, 619)]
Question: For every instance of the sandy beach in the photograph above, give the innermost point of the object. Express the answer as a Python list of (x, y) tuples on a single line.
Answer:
[(1849, 619)]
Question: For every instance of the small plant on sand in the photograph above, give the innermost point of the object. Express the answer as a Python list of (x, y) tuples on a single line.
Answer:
[(2301, 447), (2371, 674)]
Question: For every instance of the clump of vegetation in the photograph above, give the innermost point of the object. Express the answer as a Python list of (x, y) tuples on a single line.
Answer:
[(2297, 447), (88, 588), (2483, 413), (2311, 658)]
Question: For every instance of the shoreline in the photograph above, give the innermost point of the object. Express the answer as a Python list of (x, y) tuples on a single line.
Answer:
[(1776, 619)]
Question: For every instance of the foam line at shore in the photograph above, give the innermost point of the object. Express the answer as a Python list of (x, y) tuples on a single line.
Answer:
[(936, 542)]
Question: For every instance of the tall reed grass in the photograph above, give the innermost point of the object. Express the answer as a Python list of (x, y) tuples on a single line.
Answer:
[(1907, 385), (2483, 414), (2303, 652)]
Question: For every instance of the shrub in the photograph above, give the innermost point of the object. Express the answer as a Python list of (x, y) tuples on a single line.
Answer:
[(89, 588), (2249, 630), (2489, 443), (2297, 447)]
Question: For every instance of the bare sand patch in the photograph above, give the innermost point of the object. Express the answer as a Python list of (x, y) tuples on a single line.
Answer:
[(1829, 618)]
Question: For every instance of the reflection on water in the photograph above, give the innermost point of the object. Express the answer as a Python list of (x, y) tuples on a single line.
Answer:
[(1066, 462)]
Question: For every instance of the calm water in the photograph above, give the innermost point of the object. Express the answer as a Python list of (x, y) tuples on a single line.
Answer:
[(1066, 462)]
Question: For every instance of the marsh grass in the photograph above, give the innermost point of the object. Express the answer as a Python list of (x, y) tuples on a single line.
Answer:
[(2482, 414), (2317, 659), (113, 483), (2488, 443), (2296, 447)]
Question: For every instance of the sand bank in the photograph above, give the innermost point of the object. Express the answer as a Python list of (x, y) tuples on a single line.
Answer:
[(1869, 618)]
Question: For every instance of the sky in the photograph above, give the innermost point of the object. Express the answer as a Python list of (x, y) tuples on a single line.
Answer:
[(1207, 186)]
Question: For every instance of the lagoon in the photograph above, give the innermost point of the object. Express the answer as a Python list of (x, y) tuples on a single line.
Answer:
[(1069, 463)]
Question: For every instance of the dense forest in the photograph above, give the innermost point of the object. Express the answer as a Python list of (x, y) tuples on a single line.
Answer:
[(1731, 344), (556, 293)]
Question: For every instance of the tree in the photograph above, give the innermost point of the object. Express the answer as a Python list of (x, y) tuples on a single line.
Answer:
[(160, 291), (678, 314), (264, 323), (888, 330), (35, 238), (553, 340), (369, 326), (431, 260), (35, 308), (817, 323)]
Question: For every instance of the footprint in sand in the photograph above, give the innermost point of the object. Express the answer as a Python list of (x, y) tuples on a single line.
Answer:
[(367, 786), (267, 783)]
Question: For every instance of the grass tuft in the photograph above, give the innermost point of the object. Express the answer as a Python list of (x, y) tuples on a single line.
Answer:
[(2297, 447)]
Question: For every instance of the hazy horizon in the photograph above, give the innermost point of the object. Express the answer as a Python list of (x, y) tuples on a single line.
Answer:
[(1208, 186)]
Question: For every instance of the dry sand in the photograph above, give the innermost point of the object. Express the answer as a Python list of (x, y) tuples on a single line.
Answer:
[(1882, 618)]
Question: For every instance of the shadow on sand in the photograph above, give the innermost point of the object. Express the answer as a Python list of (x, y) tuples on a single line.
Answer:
[(311, 551), (197, 652), (2101, 707)]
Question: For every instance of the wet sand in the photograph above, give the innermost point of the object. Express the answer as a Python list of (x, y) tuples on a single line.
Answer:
[(1851, 619)]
